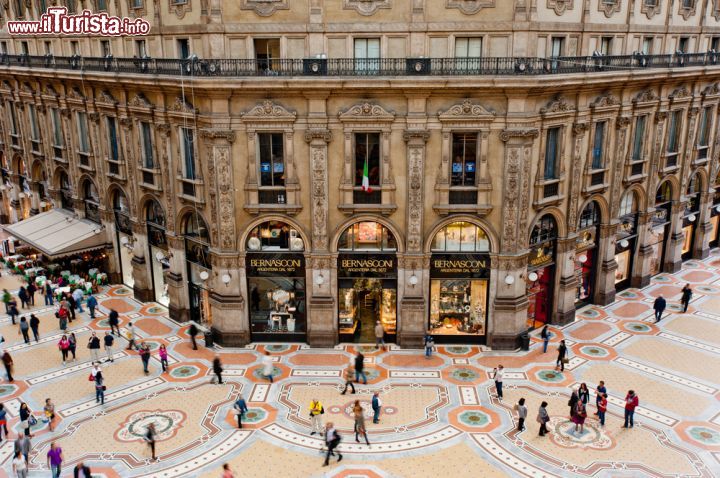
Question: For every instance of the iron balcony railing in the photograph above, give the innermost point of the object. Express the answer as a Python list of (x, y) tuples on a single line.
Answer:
[(362, 67)]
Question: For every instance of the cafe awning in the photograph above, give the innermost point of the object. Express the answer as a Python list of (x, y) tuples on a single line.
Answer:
[(57, 233)]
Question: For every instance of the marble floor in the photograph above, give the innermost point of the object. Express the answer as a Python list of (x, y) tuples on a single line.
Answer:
[(440, 416)]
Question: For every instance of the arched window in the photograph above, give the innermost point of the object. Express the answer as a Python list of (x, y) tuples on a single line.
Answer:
[(196, 228), (461, 237), (274, 236), (367, 236), (590, 216), (92, 202), (628, 205), (693, 193), (90, 193), (120, 203), (664, 193), (154, 213), (65, 191), (197, 240), (545, 230)]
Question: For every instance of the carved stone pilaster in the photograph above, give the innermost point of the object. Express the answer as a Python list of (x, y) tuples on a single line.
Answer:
[(516, 187), (689, 145), (222, 201), (579, 130), (416, 140), (318, 140), (621, 124), (657, 155)]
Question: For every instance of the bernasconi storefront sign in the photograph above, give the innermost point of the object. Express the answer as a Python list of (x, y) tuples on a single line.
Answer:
[(275, 265), (472, 266), (367, 265)]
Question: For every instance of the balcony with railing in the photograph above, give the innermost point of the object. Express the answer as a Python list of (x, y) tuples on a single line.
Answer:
[(342, 67)]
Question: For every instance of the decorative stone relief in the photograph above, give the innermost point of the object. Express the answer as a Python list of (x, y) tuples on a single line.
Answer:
[(679, 93), (560, 6), (711, 90), (689, 145), (609, 7), (650, 9), (687, 12), (416, 140), (516, 186), (225, 197), (269, 110), (366, 7), (466, 110), (557, 105), (75, 94), (646, 96), (621, 124), (366, 111), (179, 7), (264, 8), (470, 7), (167, 175), (318, 139), (106, 97), (656, 156), (605, 101), (182, 106), (579, 130), (140, 101)]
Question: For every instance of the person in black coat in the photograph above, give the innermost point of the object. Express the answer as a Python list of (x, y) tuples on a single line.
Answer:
[(114, 321), (217, 369), (686, 296), (659, 307), (562, 353), (35, 326), (82, 471), (193, 331)]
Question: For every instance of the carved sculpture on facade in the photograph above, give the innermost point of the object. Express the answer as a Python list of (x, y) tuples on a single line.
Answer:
[(609, 7), (605, 101), (680, 93), (140, 101), (264, 8), (416, 140), (366, 7), (106, 97), (645, 96), (318, 139), (516, 188), (557, 105), (269, 110), (621, 124), (466, 110), (650, 9), (470, 7), (579, 130), (365, 111), (181, 105), (560, 6)]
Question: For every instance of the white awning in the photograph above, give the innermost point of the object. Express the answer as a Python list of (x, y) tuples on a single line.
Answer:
[(58, 233)]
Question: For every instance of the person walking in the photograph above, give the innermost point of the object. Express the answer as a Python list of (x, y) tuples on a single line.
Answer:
[(22, 295), (150, 436), (6, 300), (659, 307), (14, 312), (91, 303), (574, 398), (218, 370), (55, 460), (35, 327), (332, 440), (162, 353), (545, 336), (349, 375), (94, 371), (631, 403), (240, 408), (130, 336), (9, 365), (81, 470), (543, 418), (144, 352), (379, 336), (686, 296), (579, 416), (360, 367), (64, 346), (26, 418), (267, 367), (23, 446), (62, 316), (562, 356), (100, 388), (599, 392), (227, 472), (192, 332), (73, 345), (49, 299), (602, 408), (24, 329), (522, 414), (376, 404), (359, 417), (31, 289), (19, 465), (49, 410), (3, 422), (109, 341), (498, 374), (429, 343), (77, 296), (584, 394), (114, 322), (71, 306), (94, 346), (316, 413)]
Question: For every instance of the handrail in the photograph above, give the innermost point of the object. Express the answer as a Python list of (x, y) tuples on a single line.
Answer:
[(362, 67)]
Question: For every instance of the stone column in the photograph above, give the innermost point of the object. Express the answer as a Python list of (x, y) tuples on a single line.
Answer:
[(509, 301), (641, 264), (701, 246), (566, 284), (322, 320), (107, 219), (34, 200), (229, 319), (673, 253), (412, 317), (142, 286), (179, 307), (605, 278)]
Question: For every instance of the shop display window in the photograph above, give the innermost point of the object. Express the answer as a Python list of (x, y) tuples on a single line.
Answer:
[(687, 239), (457, 306), (657, 245), (584, 272), (277, 305), (622, 273), (361, 302), (539, 297)]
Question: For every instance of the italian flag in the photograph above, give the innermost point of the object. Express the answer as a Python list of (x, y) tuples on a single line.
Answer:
[(366, 178)]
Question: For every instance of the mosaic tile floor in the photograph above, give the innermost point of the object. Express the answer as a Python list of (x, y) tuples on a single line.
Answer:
[(440, 416)]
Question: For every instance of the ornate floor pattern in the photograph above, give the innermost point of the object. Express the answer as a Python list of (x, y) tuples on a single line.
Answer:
[(440, 416)]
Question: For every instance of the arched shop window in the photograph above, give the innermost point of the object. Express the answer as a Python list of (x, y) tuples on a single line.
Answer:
[(92, 202), (541, 271), (275, 270), (66, 199), (197, 240), (274, 236), (459, 281), (197, 257), (691, 215), (154, 213), (158, 249), (586, 253), (626, 240), (660, 227), (367, 282), (367, 236)]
